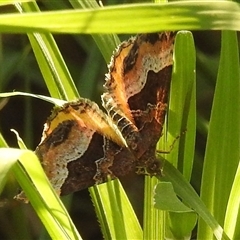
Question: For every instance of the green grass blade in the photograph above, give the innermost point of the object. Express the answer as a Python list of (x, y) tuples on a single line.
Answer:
[(42, 197), (3, 143), (50, 61), (116, 215), (182, 115), (222, 150), (18, 216), (232, 219), (186, 192), (192, 15), (184, 231), (10, 2), (54, 101), (182, 120), (5, 166), (153, 222)]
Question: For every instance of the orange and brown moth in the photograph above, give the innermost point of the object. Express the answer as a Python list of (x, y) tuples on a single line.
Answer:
[(82, 145)]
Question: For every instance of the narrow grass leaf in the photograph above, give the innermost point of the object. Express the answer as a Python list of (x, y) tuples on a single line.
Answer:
[(100, 212), (192, 15), (222, 150), (11, 2), (54, 101), (3, 143), (21, 144), (188, 195), (232, 219), (186, 222), (6, 163), (50, 61), (43, 198), (154, 220), (182, 115), (117, 215)]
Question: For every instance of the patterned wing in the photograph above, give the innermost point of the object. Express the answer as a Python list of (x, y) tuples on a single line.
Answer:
[(137, 88), (78, 146)]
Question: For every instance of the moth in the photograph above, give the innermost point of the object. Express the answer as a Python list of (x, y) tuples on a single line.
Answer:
[(82, 145)]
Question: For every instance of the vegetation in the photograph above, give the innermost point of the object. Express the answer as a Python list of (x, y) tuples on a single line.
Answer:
[(205, 157)]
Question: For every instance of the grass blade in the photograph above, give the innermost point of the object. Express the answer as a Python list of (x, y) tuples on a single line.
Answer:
[(43, 198), (192, 15), (186, 192), (51, 63), (232, 218), (116, 215), (183, 105), (222, 150)]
